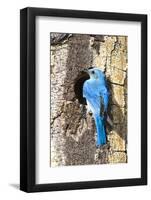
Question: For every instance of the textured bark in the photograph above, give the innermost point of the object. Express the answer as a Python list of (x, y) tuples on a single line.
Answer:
[(73, 132)]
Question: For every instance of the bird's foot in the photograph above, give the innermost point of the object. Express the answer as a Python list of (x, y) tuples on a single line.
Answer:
[(89, 112)]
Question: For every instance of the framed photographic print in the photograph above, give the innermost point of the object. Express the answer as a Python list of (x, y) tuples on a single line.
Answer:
[(83, 99)]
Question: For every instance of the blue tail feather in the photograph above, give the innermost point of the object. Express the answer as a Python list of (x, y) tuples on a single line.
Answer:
[(101, 134)]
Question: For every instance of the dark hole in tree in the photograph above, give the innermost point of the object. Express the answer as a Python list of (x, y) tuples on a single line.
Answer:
[(78, 87)]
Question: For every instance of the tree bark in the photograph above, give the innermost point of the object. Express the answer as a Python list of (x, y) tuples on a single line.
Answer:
[(73, 132)]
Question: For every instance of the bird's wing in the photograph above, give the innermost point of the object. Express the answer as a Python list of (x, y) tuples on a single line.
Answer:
[(92, 98), (104, 95), (97, 97)]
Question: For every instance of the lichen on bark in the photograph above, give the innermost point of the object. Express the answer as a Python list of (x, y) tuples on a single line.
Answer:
[(73, 135)]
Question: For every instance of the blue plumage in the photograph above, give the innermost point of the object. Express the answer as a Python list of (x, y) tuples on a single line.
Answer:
[(97, 96)]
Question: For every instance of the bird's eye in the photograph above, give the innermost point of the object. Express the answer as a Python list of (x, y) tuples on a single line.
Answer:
[(93, 72)]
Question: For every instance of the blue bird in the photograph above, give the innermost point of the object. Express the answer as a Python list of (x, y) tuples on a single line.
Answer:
[(97, 97)]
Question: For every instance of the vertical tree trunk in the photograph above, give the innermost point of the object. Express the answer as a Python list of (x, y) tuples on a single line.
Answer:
[(73, 135)]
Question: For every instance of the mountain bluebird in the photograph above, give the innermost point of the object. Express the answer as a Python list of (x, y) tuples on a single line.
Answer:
[(97, 97)]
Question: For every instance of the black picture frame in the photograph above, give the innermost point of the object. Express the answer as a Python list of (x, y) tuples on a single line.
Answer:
[(28, 98)]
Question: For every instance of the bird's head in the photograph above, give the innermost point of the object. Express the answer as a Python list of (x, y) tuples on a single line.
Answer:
[(95, 73)]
